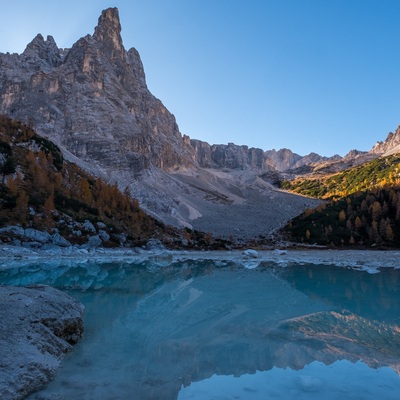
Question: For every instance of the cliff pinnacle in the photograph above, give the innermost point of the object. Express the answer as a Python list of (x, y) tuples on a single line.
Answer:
[(108, 32), (45, 50)]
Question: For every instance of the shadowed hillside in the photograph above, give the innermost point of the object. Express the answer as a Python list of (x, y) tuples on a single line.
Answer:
[(41, 190)]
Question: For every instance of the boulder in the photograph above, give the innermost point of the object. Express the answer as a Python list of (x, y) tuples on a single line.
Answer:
[(32, 245), (104, 236), (12, 230), (154, 245), (93, 242), (39, 324), (121, 237), (37, 236), (52, 249), (59, 240), (88, 226)]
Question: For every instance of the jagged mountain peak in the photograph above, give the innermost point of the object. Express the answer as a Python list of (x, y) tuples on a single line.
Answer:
[(44, 50), (39, 42), (108, 31), (93, 101), (109, 17), (390, 145), (353, 154)]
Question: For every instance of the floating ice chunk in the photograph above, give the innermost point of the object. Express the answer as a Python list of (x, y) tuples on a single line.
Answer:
[(180, 288), (219, 263), (370, 270), (250, 253)]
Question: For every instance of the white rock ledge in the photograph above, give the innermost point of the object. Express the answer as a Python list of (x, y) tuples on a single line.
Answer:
[(38, 325)]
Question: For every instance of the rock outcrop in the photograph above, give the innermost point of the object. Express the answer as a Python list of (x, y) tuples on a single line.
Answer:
[(389, 146), (230, 156), (39, 325), (285, 160), (93, 101)]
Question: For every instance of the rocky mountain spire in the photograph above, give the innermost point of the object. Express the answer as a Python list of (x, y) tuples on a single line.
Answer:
[(108, 32), (94, 101)]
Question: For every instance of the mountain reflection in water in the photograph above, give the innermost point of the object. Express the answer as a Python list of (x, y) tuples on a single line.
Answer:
[(151, 332)]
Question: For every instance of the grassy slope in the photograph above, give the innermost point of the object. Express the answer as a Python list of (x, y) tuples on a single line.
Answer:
[(374, 174), (363, 206)]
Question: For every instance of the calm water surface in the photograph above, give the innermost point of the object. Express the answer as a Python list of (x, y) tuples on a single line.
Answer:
[(217, 330)]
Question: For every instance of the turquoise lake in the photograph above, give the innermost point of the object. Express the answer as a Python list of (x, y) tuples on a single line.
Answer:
[(215, 330)]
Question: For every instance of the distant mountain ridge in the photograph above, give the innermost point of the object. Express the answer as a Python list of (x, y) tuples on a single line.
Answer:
[(389, 146), (93, 102)]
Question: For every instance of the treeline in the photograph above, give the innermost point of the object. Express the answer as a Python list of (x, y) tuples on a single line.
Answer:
[(374, 174), (38, 186), (369, 218)]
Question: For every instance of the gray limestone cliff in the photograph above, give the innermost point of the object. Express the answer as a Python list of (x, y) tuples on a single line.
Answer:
[(93, 101), (230, 156)]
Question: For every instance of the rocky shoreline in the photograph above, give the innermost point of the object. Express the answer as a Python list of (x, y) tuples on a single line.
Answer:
[(39, 324), (286, 254)]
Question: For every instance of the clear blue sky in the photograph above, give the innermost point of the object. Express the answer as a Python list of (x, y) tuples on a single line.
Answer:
[(309, 75)]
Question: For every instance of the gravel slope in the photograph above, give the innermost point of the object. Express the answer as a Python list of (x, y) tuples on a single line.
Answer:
[(231, 203)]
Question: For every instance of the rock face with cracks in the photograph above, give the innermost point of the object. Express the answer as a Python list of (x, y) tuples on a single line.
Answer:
[(38, 325), (92, 100)]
